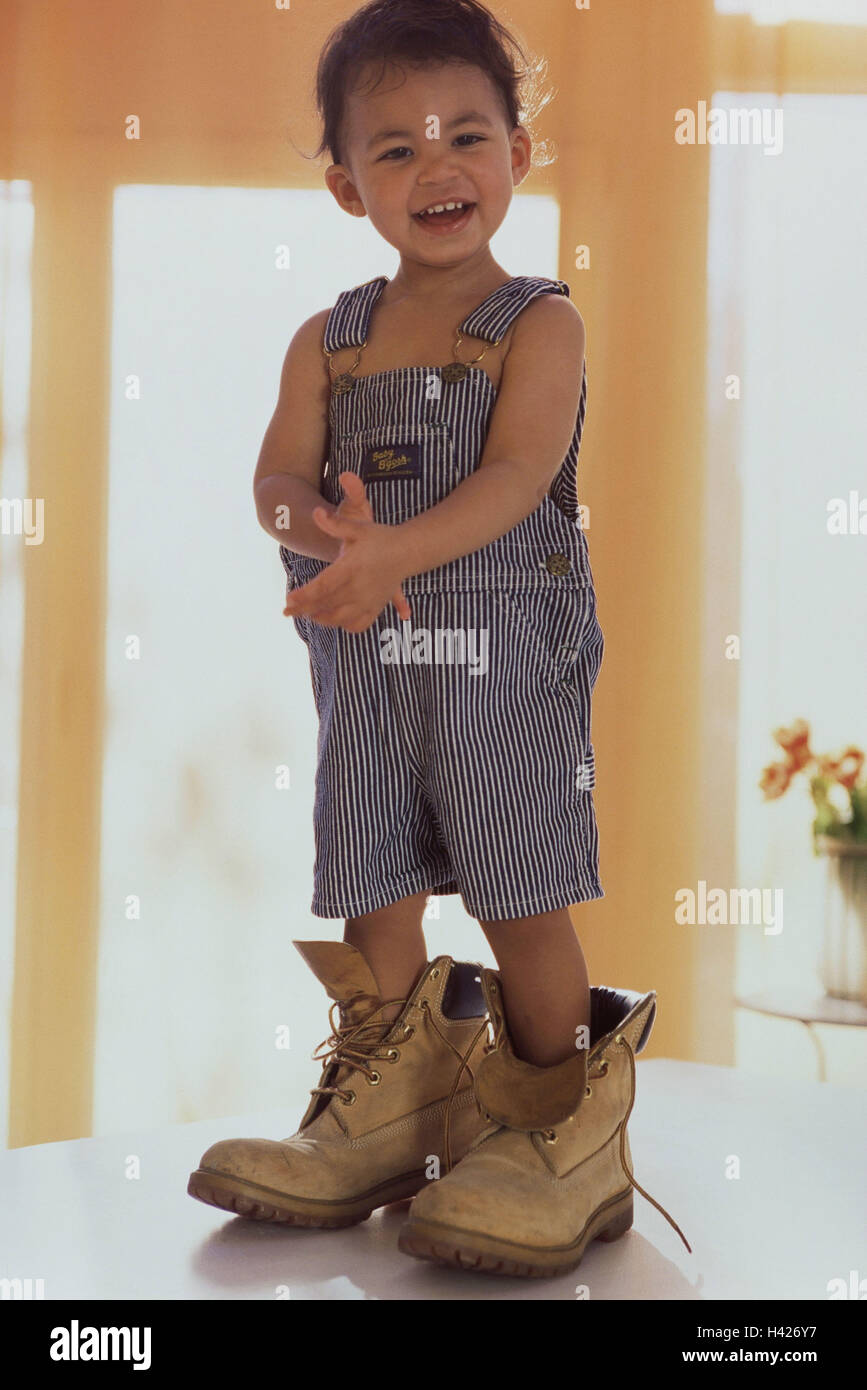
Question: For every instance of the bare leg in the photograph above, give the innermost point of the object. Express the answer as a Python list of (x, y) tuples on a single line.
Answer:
[(392, 942), (546, 991)]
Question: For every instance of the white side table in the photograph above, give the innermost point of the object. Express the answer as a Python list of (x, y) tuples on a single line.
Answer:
[(807, 1008)]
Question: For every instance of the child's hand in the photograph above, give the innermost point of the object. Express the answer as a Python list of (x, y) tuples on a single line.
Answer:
[(355, 588), (356, 504)]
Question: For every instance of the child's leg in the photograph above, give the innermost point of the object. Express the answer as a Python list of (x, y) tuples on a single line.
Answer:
[(546, 992), (392, 942), (553, 1171)]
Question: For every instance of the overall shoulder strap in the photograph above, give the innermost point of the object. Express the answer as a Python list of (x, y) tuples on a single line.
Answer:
[(493, 317), (347, 323)]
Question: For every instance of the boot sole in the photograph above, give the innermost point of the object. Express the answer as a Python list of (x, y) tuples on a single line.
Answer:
[(458, 1249), (266, 1204)]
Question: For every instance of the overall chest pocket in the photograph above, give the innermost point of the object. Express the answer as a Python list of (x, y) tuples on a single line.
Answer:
[(406, 469)]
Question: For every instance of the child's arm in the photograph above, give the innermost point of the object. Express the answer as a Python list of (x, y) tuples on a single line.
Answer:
[(531, 429), (289, 470)]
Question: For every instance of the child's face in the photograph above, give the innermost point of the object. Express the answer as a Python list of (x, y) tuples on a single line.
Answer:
[(393, 170)]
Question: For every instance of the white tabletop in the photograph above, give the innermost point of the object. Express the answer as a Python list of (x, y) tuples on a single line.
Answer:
[(792, 1221)]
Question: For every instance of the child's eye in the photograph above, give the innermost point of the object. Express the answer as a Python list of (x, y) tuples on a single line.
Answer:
[(398, 149), (468, 136)]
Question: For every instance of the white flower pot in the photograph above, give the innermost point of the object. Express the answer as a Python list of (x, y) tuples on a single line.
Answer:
[(843, 962)]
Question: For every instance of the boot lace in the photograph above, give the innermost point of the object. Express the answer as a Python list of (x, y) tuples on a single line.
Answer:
[(351, 1045), (621, 1041)]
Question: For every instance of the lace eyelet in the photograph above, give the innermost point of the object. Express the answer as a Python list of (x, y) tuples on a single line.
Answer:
[(588, 1091), (408, 1030), (349, 1098), (392, 1055), (603, 1070), (549, 1136), (425, 1005), (435, 974), (374, 1078)]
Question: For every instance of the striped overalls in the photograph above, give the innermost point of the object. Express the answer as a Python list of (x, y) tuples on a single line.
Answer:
[(454, 750)]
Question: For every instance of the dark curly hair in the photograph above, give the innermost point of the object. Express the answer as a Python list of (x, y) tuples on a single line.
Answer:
[(426, 33)]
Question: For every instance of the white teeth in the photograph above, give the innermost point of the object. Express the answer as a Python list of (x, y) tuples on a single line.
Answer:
[(444, 207)]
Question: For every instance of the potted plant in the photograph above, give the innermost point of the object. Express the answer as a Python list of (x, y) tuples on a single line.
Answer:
[(839, 834)]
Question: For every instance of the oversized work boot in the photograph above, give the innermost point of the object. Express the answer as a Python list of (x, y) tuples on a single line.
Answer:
[(392, 1097), (553, 1169)]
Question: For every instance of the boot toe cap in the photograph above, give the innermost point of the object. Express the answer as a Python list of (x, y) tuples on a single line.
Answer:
[(475, 1195), (295, 1167), (494, 1198), (255, 1160)]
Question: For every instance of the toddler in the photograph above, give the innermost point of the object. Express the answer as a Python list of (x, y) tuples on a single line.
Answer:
[(424, 446)]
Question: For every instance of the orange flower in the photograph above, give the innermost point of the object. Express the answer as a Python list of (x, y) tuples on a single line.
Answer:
[(846, 768), (775, 779), (795, 741)]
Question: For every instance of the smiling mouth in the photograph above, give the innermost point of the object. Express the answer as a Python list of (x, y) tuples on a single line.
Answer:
[(449, 214)]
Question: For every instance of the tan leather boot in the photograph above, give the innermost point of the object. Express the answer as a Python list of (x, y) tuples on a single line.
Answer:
[(392, 1096), (553, 1170)]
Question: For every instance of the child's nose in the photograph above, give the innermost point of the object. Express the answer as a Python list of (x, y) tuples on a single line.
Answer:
[(438, 157)]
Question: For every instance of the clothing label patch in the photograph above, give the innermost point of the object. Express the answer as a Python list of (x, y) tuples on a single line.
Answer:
[(382, 461)]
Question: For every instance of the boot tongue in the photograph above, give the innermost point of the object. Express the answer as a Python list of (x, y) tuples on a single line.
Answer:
[(346, 976), (516, 1093)]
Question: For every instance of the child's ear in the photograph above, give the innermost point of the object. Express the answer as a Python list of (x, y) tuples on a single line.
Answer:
[(522, 153), (338, 180)]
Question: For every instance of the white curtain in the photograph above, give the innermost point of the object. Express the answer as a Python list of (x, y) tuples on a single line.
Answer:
[(788, 305)]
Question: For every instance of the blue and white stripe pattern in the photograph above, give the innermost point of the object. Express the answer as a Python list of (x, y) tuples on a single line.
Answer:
[(455, 775), (449, 426)]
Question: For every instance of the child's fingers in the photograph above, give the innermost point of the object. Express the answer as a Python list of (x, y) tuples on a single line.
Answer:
[(315, 593), (342, 526), (352, 486), (346, 616), (356, 513), (400, 602), (326, 520), (356, 499)]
